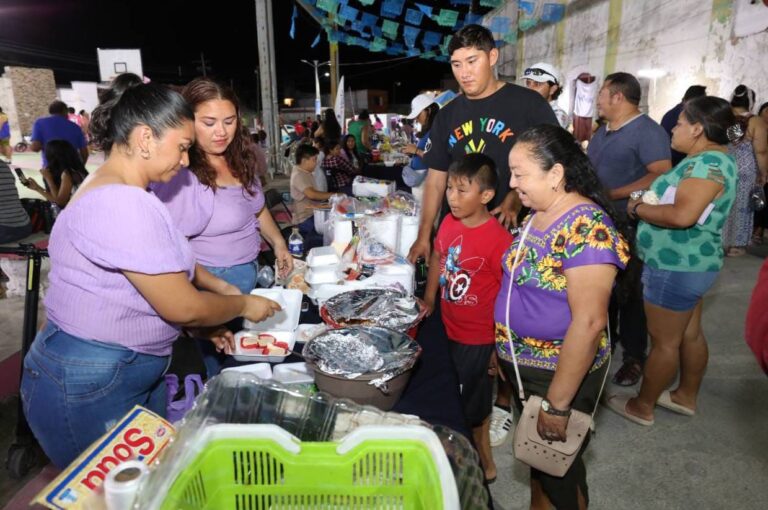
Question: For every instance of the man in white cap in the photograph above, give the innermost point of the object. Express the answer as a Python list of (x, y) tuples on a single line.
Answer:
[(423, 110), (548, 82)]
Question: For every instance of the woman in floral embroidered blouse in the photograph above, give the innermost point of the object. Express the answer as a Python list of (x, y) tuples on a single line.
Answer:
[(558, 305)]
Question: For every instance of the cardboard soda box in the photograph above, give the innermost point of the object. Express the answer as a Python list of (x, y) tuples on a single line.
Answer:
[(140, 435)]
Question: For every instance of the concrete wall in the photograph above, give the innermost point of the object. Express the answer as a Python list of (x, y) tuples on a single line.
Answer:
[(680, 42)]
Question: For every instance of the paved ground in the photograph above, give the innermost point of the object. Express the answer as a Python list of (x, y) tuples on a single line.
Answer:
[(715, 460)]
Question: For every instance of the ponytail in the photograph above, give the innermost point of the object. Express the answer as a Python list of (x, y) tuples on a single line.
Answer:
[(129, 103)]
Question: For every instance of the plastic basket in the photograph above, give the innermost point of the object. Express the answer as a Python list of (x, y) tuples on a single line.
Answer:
[(261, 467)]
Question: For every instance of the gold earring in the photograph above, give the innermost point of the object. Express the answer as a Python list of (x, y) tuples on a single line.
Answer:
[(144, 154)]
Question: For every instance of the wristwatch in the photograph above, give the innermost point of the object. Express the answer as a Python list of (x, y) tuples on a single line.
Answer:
[(547, 408)]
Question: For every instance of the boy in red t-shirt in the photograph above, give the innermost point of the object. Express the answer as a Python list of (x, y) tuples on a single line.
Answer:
[(466, 266)]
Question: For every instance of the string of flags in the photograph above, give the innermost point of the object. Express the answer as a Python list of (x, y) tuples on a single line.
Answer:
[(398, 29)]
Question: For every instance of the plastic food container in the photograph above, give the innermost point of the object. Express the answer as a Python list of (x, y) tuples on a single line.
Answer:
[(361, 390), (322, 256), (293, 373), (260, 370), (250, 356), (306, 331), (282, 325)]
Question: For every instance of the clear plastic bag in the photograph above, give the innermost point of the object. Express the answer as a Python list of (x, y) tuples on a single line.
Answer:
[(244, 398)]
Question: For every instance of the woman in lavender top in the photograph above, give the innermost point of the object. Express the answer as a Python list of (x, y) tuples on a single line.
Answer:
[(123, 281), (225, 228), (555, 314)]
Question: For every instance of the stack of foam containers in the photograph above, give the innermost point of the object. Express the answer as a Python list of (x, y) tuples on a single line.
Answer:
[(324, 268)]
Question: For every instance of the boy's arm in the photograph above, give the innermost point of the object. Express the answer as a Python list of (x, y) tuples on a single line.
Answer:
[(433, 281), (314, 194)]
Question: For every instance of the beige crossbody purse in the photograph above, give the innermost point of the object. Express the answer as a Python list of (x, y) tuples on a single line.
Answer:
[(551, 457)]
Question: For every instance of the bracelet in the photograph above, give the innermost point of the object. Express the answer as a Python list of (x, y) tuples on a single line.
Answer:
[(634, 209)]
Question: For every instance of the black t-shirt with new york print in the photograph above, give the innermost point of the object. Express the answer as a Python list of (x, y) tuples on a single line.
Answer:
[(489, 125)]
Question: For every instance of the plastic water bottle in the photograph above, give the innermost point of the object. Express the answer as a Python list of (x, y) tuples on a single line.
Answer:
[(296, 243), (265, 278)]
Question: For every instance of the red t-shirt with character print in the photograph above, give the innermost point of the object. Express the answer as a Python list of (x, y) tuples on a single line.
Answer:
[(470, 277)]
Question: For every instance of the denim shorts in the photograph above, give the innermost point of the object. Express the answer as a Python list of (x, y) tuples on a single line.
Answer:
[(678, 291), (74, 390)]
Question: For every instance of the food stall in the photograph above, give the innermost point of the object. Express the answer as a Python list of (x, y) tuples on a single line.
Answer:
[(350, 370)]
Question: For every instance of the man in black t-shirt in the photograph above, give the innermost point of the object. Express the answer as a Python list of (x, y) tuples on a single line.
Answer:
[(486, 118)]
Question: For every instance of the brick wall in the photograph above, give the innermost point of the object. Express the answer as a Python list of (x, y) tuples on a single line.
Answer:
[(32, 91)]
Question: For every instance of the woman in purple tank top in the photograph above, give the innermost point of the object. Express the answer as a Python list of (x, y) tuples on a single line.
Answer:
[(123, 280)]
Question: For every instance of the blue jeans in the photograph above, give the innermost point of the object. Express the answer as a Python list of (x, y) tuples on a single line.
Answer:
[(242, 276), (73, 390)]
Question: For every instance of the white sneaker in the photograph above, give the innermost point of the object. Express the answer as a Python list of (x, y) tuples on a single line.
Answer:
[(501, 424)]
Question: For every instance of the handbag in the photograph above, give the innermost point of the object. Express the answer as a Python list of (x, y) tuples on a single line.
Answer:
[(552, 457), (757, 198)]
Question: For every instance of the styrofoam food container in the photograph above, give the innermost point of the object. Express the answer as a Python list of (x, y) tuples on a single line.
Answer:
[(285, 320), (322, 256), (314, 277), (260, 370), (293, 373), (288, 337)]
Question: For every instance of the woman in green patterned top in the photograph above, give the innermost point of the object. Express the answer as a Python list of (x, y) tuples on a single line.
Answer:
[(679, 239)]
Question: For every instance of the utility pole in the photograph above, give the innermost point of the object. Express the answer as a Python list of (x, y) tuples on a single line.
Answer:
[(203, 68), (334, 49), (268, 78), (316, 65)]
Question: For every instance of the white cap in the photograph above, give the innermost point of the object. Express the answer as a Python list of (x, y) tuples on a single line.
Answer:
[(542, 72), (419, 103)]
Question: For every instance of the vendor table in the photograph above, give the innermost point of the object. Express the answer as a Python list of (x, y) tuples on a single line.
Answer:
[(433, 390), (389, 173)]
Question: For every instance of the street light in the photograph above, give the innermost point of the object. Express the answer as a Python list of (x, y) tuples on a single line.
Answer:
[(316, 64)]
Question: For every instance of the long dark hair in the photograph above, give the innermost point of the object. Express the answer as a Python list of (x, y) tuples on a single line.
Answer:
[(550, 145), (129, 103), (331, 126), (431, 110), (63, 158), (239, 155), (353, 152)]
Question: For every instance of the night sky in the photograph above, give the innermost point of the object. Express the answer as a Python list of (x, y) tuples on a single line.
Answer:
[(64, 34)]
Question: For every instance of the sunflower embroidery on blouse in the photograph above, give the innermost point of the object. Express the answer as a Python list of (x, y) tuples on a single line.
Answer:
[(566, 240), (580, 229), (600, 237), (551, 275)]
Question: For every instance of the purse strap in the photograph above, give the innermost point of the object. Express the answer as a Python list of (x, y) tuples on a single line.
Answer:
[(515, 265)]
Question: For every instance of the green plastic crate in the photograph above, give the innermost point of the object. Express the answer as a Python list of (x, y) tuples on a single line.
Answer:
[(262, 467)]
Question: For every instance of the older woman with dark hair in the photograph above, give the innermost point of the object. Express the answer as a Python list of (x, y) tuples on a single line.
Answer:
[(552, 309), (123, 281), (679, 241)]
